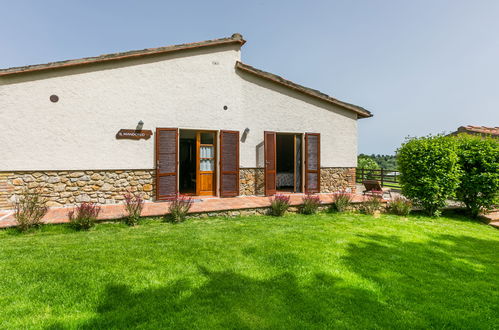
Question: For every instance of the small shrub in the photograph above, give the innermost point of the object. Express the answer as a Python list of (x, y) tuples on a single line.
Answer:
[(279, 205), (29, 209), (83, 217), (479, 185), (179, 207), (133, 205), (400, 206), (341, 201), (310, 204), (429, 171), (373, 203)]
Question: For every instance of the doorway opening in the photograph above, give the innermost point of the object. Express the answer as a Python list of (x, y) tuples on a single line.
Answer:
[(187, 162), (197, 162), (288, 162)]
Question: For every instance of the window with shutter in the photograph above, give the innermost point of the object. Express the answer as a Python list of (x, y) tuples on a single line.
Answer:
[(229, 163), (270, 163), (312, 162), (166, 162)]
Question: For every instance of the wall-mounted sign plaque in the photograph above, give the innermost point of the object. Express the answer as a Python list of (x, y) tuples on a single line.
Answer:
[(133, 134)]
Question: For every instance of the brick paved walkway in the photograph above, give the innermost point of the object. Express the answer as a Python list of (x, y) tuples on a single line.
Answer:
[(201, 204)]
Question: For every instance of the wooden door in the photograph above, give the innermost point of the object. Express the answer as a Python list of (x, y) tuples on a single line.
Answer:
[(166, 162), (298, 168), (229, 163), (312, 162), (205, 163), (270, 162)]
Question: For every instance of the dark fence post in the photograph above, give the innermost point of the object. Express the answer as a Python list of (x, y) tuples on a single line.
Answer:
[(381, 177)]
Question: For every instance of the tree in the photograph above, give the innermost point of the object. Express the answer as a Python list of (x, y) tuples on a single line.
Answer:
[(367, 162), (479, 161), (429, 171), (388, 162)]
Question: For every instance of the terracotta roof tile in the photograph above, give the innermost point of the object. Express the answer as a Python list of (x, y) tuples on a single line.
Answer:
[(480, 129)]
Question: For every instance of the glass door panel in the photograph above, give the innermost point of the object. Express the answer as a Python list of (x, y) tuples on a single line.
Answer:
[(206, 168)]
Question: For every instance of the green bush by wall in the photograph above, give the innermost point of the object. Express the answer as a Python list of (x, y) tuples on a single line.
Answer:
[(429, 171), (478, 159), (434, 169)]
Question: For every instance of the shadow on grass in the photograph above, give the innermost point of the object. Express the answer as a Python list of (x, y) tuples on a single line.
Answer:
[(457, 214), (230, 300), (448, 281), (444, 282)]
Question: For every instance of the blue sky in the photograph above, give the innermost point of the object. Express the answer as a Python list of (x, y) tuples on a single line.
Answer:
[(422, 67)]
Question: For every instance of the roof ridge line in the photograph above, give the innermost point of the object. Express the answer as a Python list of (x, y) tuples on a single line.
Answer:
[(235, 38)]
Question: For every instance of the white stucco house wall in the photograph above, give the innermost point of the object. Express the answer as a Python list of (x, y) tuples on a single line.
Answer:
[(198, 122)]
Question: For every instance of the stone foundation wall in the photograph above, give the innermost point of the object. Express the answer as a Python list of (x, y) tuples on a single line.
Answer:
[(354, 207), (337, 178), (62, 188), (69, 187), (6, 190), (251, 181)]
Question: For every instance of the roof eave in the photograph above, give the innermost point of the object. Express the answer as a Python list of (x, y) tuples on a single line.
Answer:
[(361, 112)]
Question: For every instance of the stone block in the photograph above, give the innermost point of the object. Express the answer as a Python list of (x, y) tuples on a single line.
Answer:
[(17, 182), (53, 179), (53, 204), (106, 187), (28, 178), (82, 198)]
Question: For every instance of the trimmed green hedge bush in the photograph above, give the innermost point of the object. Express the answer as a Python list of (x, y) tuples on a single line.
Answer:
[(479, 161), (429, 171), (436, 168)]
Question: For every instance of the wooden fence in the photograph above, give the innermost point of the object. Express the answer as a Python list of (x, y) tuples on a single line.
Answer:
[(388, 178)]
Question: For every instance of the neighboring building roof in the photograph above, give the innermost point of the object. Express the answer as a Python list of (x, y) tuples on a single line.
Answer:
[(235, 38), (478, 130), (361, 112)]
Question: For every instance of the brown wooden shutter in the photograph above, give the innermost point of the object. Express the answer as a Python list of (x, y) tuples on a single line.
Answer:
[(312, 162), (166, 162), (229, 163), (270, 163)]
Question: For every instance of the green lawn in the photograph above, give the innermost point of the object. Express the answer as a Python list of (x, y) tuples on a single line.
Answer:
[(329, 270)]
